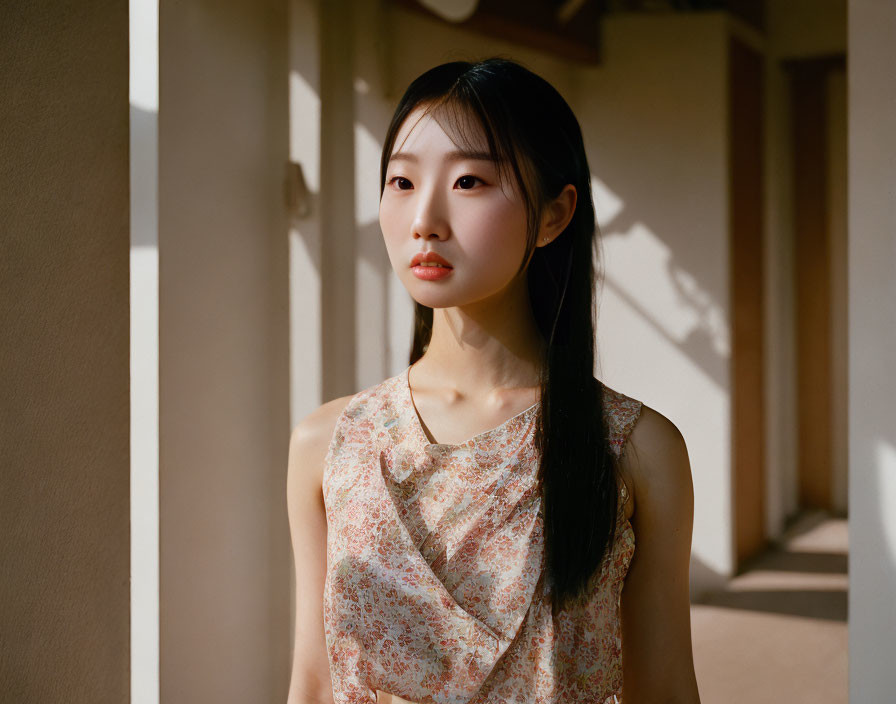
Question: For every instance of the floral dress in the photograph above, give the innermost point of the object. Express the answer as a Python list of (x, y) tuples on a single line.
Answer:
[(435, 588)]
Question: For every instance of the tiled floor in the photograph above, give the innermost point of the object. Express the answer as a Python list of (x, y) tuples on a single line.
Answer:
[(778, 632)]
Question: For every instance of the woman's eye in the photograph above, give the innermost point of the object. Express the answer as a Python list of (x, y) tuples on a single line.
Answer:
[(466, 183), (398, 180), (469, 181)]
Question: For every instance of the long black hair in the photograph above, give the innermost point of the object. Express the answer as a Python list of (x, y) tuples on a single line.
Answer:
[(533, 133)]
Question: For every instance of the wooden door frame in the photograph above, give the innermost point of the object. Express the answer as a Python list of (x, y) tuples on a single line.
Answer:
[(746, 130), (808, 90)]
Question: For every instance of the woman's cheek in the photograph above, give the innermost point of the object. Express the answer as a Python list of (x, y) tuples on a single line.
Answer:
[(389, 225), (499, 235)]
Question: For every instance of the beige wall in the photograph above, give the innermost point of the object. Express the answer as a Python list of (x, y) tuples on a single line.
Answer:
[(872, 333), (655, 122), (224, 377), (64, 352)]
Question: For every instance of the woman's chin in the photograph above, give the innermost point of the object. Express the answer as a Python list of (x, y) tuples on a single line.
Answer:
[(433, 302), (434, 294)]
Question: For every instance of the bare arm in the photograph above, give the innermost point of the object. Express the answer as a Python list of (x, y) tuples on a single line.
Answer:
[(657, 655), (310, 682)]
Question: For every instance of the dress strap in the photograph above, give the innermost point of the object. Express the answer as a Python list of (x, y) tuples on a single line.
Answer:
[(621, 413)]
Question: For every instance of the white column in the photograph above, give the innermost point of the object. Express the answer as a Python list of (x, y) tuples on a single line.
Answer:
[(144, 292), (872, 338), (306, 360)]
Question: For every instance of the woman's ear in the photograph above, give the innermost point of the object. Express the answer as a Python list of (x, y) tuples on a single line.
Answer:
[(557, 215)]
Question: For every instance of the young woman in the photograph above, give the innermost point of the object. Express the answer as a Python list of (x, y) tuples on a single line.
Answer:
[(493, 524)]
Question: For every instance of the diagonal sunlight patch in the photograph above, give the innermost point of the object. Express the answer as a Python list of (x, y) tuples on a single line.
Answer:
[(607, 205), (367, 175), (886, 466), (639, 264)]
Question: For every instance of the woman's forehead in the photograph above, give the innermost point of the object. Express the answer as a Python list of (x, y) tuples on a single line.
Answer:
[(456, 127)]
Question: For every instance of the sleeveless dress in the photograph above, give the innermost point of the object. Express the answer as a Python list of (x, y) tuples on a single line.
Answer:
[(435, 588)]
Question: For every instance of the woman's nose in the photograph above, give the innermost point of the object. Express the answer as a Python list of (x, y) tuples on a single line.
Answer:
[(429, 220)]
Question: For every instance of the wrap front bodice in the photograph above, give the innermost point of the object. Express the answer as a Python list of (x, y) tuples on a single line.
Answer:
[(435, 588)]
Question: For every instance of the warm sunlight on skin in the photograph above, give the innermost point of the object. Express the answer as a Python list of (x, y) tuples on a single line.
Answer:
[(436, 200), (439, 199)]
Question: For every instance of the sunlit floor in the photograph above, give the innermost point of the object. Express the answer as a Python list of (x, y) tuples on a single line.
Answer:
[(778, 632)]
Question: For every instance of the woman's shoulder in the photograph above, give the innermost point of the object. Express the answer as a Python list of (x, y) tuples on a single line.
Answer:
[(320, 423), (310, 438), (657, 464), (313, 433)]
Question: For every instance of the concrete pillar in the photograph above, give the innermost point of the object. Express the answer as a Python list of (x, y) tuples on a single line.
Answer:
[(64, 422)]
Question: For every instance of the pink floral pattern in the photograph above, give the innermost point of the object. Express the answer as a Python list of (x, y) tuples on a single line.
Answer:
[(435, 555)]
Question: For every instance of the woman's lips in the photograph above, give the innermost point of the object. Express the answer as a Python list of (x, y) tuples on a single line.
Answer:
[(431, 273), (430, 266), (429, 257)]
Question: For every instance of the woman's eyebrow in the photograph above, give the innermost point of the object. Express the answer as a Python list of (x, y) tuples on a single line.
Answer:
[(456, 155)]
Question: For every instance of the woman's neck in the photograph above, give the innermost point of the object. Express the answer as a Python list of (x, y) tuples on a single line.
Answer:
[(485, 347)]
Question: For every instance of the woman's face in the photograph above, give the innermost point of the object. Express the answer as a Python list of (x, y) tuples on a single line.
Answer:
[(440, 201)]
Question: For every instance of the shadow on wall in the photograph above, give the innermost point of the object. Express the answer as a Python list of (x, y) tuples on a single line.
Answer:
[(144, 181)]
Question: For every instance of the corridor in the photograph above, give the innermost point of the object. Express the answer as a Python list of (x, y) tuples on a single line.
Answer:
[(778, 633)]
